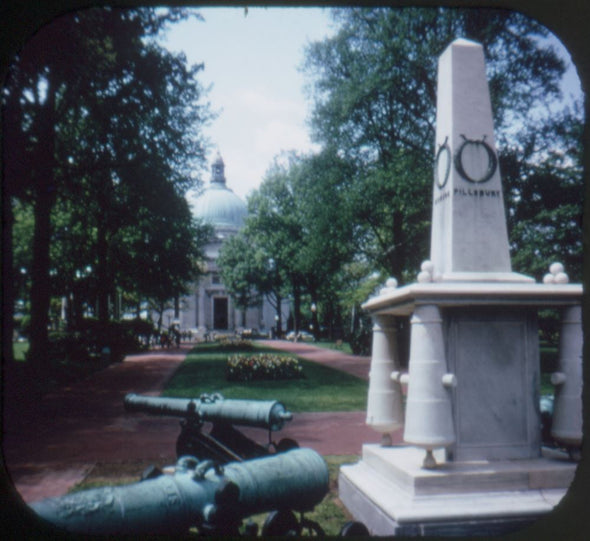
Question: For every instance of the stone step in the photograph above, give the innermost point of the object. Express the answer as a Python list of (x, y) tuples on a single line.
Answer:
[(401, 466), (373, 499)]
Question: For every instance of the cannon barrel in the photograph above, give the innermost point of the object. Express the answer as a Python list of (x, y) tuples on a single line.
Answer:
[(197, 494), (269, 414)]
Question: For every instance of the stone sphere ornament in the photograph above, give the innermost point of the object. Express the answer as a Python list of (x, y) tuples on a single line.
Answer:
[(427, 269), (561, 278), (427, 266), (556, 268), (424, 277), (549, 278), (391, 283)]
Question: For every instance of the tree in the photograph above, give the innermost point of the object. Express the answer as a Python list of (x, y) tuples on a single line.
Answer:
[(374, 88), (97, 111), (543, 181), (298, 234), (273, 227), (243, 271)]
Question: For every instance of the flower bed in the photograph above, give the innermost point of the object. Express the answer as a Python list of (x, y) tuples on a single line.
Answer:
[(228, 342), (262, 366)]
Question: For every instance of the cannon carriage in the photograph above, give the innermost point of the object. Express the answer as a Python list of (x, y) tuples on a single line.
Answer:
[(223, 443)]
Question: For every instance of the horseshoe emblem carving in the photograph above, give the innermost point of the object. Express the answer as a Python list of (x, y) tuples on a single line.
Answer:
[(442, 164), (471, 158)]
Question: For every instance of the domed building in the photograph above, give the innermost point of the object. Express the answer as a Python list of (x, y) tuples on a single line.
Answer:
[(209, 307)]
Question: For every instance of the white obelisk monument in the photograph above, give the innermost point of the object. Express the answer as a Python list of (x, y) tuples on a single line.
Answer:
[(469, 239), (474, 462)]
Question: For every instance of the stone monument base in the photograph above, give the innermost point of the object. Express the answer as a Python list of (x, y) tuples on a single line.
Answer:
[(392, 494)]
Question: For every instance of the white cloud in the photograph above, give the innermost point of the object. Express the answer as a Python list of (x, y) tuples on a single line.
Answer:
[(278, 135)]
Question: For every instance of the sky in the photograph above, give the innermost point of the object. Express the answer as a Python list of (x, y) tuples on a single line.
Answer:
[(252, 62)]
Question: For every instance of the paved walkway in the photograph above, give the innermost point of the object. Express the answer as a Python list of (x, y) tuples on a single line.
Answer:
[(52, 448), (358, 366)]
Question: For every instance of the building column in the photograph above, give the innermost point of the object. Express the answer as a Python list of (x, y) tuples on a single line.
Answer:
[(201, 309)]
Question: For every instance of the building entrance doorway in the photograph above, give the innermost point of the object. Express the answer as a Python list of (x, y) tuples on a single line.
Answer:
[(220, 316)]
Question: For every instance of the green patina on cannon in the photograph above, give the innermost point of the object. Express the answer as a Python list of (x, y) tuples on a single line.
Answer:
[(223, 443), (205, 495)]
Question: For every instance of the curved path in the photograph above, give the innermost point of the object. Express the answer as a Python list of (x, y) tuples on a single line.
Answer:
[(52, 448), (353, 364)]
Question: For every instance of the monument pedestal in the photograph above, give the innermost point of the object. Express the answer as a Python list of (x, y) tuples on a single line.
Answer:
[(472, 409), (390, 493)]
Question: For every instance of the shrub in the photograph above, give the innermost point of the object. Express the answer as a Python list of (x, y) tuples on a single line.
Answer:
[(88, 341), (68, 347), (262, 366), (228, 342)]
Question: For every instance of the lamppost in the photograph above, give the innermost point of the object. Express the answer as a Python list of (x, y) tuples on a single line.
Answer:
[(314, 321)]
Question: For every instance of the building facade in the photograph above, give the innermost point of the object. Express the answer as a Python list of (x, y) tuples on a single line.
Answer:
[(209, 307)]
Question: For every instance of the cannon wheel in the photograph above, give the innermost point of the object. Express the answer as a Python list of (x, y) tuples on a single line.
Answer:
[(312, 527), (354, 529), (286, 444), (280, 523)]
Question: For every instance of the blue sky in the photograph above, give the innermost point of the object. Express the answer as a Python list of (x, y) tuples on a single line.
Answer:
[(252, 60)]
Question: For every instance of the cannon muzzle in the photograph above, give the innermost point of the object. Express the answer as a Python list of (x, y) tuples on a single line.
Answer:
[(269, 414), (200, 494)]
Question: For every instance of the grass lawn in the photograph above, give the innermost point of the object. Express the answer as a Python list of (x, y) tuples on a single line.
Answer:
[(344, 347), (20, 350), (322, 389)]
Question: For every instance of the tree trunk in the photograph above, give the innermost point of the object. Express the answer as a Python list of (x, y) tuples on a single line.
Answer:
[(102, 275), (279, 329), (45, 195), (8, 294), (40, 290), (296, 307)]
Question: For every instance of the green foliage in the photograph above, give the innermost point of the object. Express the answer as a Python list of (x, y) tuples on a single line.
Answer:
[(330, 228), (323, 389), (300, 232), (243, 270), (20, 350), (543, 179), (374, 90), (88, 341), (262, 366), (97, 112), (360, 340)]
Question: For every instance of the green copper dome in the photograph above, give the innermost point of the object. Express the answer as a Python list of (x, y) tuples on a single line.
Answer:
[(218, 205)]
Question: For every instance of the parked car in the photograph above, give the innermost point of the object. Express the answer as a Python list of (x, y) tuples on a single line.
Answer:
[(301, 336)]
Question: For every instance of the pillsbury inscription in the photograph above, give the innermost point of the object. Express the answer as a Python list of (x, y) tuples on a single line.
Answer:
[(467, 192)]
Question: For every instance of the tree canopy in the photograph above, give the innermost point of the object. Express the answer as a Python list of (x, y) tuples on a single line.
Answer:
[(337, 223), (373, 86), (105, 130)]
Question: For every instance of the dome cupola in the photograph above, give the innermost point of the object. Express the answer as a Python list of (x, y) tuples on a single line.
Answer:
[(218, 170), (218, 205)]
